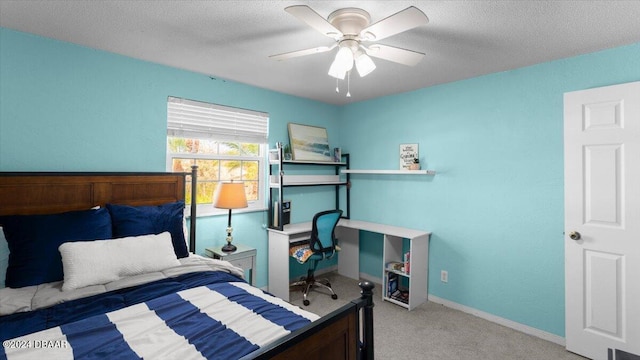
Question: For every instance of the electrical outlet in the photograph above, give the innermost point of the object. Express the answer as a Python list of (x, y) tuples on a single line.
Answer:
[(444, 276)]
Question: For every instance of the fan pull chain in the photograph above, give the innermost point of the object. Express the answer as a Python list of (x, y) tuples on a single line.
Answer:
[(337, 87), (348, 83)]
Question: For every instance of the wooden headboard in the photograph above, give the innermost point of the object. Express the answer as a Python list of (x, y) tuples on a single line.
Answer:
[(28, 193)]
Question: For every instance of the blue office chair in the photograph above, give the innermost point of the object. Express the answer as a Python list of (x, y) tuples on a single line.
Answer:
[(322, 245)]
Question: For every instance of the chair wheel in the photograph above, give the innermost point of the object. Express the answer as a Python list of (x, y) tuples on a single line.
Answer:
[(334, 296), (306, 302)]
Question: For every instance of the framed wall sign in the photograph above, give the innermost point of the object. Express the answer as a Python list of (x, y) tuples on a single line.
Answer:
[(408, 152), (309, 143)]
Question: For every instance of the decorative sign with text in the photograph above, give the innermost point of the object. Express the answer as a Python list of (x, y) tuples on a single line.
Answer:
[(408, 152)]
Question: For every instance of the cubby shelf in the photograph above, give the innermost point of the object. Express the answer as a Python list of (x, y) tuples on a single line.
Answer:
[(393, 251)]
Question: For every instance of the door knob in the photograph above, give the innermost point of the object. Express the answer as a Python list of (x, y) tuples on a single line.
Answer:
[(574, 235)]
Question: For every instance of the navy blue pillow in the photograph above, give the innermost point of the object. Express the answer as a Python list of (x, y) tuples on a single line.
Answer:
[(34, 240), (144, 220)]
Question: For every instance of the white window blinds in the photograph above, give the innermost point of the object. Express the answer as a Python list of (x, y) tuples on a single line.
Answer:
[(195, 119)]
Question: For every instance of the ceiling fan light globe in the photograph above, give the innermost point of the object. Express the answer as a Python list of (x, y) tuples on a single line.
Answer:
[(364, 64), (344, 59), (336, 71)]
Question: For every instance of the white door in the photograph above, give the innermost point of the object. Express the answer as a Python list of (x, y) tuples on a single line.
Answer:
[(602, 221)]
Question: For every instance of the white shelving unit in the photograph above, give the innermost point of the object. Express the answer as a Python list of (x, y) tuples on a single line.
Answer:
[(278, 180), (417, 276), (391, 172)]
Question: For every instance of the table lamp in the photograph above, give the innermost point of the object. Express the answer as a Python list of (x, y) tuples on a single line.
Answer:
[(230, 195)]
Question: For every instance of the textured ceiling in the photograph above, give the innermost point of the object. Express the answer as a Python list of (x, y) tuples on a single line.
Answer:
[(233, 39)]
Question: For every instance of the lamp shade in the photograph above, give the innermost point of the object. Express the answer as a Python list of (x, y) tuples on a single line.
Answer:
[(230, 196)]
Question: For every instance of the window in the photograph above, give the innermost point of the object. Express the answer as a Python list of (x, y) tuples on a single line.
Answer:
[(226, 143)]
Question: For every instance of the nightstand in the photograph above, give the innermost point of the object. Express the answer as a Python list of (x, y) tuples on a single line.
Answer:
[(244, 257)]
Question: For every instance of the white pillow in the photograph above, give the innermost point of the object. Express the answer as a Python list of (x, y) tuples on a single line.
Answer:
[(87, 263)]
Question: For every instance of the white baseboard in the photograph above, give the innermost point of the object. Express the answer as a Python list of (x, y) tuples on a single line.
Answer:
[(333, 268), (483, 315), (499, 320), (370, 278)]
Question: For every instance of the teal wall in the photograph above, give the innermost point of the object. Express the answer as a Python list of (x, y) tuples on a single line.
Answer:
[(495, 206), (65, 107)]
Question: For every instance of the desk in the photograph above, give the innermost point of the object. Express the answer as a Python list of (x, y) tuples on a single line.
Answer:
[(348, 234)]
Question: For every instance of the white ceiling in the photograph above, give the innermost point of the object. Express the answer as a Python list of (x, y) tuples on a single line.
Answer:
[(233, 39)]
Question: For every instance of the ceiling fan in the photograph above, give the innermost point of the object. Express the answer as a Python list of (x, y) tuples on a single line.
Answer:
[(351, 30)]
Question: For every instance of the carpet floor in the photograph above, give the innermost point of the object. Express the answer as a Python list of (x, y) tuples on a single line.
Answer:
[(434, 331)]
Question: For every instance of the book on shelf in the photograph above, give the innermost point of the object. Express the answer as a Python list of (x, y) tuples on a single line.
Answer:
[(392, 283), (400, 295), (407, 263)]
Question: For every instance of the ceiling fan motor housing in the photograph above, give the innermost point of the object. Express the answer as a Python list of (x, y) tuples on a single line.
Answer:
[(353, 45), (350, 21)]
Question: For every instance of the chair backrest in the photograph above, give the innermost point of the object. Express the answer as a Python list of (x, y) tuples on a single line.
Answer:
[(323, 239)]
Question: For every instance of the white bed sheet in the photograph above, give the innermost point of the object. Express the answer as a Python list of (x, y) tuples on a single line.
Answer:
[(41, 296)]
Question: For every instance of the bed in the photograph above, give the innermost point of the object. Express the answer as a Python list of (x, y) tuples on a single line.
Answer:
[(124, 282)]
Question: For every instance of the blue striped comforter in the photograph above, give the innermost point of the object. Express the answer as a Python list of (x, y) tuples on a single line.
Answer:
[(221, 320)]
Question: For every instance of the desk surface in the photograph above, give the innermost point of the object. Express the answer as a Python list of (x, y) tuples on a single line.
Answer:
[(298, 228)]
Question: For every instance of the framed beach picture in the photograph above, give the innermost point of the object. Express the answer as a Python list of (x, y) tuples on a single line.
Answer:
[(309, 143)]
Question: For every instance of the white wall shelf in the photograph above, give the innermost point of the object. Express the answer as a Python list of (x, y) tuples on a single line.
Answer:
[(305, 162), (390, 172)]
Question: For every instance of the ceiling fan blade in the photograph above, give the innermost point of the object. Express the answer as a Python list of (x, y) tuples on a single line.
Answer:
[(404, 20), (313, 19), (398, 55), (293, 54)]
